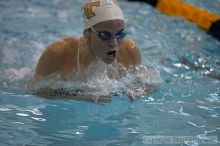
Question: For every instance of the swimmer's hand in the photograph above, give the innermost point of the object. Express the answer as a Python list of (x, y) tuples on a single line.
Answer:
[(76, 95), (133, 94)]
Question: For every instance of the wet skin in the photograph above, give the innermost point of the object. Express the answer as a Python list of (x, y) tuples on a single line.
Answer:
[(61, 56)]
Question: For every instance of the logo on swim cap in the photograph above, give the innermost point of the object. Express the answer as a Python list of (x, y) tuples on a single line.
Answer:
[(88, 9), (96, 11)]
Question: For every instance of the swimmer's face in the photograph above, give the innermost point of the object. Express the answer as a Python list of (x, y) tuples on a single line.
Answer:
[(104, 47)]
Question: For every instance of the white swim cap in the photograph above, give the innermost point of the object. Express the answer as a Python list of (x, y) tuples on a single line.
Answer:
[(96, 11)]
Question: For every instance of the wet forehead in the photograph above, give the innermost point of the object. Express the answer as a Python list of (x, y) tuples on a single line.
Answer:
[(110, 25)]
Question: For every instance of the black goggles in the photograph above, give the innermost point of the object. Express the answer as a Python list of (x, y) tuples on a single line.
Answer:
[(105, 35)]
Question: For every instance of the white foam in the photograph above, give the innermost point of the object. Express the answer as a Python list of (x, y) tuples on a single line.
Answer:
[(62, 14), (40, 47), (9, 54), (37, 12), (16, 74), (102, 82)]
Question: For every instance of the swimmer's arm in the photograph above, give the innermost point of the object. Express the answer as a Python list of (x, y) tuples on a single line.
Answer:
[(60, 94), (132, 94)]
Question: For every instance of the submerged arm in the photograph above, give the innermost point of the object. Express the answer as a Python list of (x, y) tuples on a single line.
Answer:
[(76, 95)]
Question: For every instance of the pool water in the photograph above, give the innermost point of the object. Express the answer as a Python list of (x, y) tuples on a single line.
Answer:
[(185, 103)]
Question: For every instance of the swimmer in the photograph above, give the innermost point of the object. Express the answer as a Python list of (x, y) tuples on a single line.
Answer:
[(104, 39)]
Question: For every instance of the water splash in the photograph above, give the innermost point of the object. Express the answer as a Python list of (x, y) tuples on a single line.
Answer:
[(101, 80)]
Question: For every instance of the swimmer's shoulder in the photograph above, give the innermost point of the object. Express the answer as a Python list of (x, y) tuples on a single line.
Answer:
[(61, 48), (57, 57), (65, 44), (130, 45), (132, 50)]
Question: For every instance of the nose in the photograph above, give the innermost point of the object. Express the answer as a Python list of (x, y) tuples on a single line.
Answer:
[(113, 43)]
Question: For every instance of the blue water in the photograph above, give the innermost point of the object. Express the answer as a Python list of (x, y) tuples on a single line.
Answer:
[(186, 103)]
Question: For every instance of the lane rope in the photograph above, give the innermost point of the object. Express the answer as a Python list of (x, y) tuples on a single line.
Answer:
[(204, 19)]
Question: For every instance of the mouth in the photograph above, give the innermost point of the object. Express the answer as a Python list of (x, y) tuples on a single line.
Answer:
[(111, 54)]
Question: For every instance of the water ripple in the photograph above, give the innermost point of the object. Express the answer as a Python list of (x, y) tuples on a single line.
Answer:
[(191, 143), (195, 125), (22, 114), (34, 111), (214, 97), (5, 109), (210, 139), (206, 108), (215, 115), (39, 119), (180, 112)]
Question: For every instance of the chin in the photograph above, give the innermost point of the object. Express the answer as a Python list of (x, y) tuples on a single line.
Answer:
[(109, 61)]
